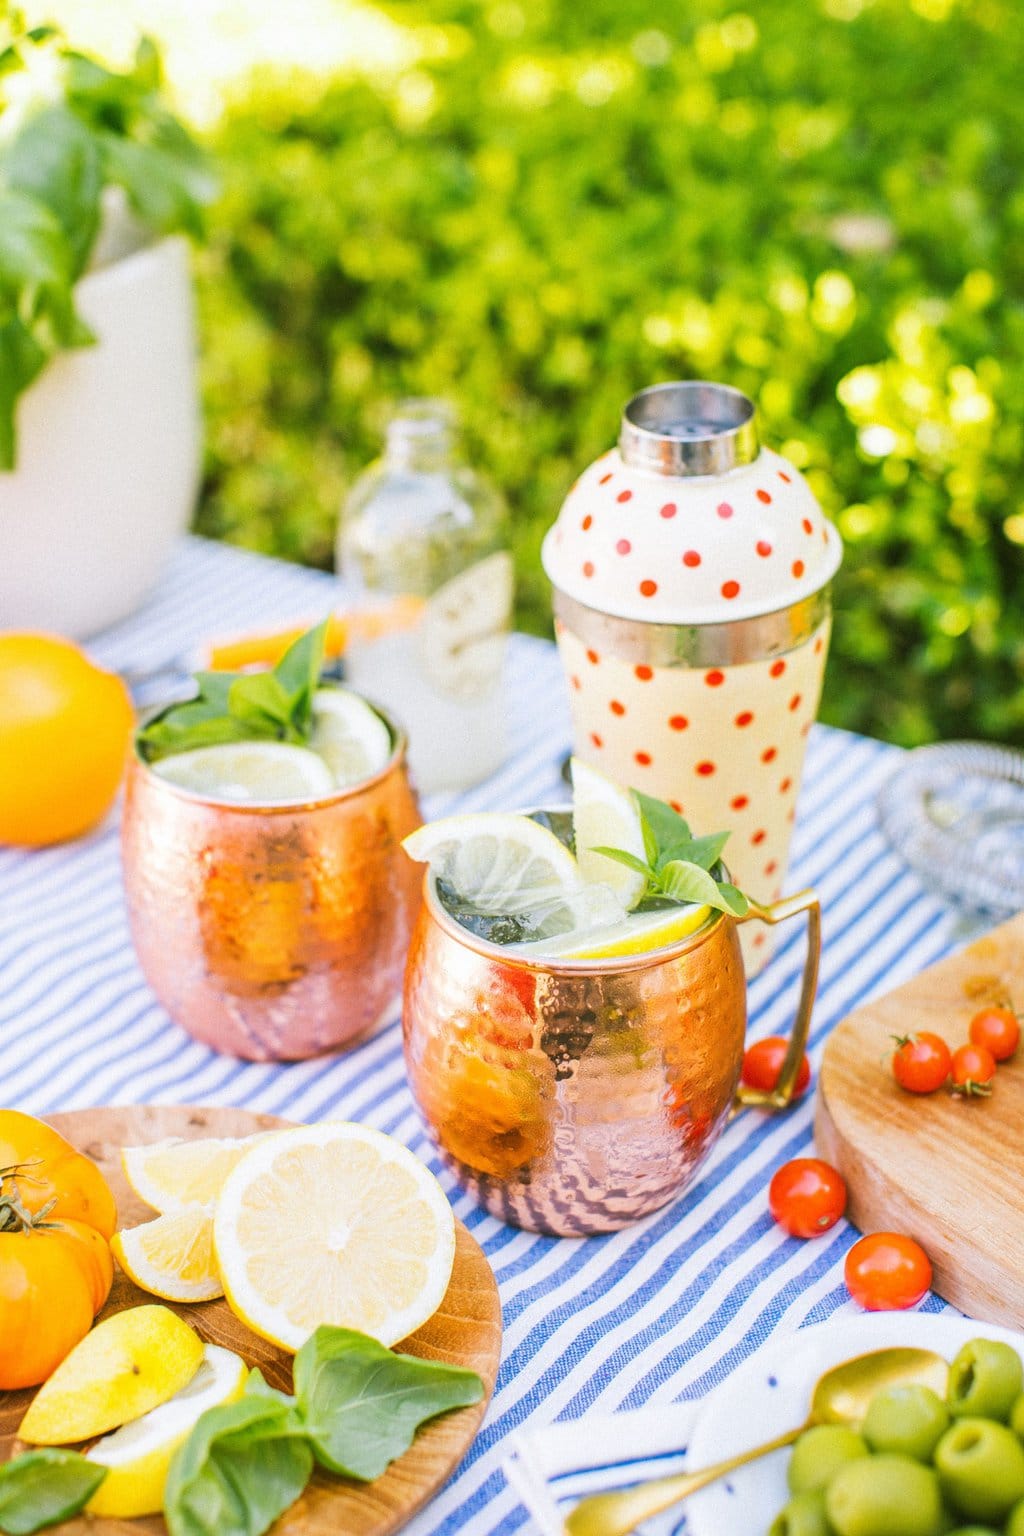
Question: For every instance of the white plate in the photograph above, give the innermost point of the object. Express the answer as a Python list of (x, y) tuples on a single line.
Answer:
[(773, 1392)]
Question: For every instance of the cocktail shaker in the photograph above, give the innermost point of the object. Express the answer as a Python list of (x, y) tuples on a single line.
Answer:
[(691, 570)]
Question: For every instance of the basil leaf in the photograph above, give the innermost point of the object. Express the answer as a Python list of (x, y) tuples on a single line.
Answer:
[(257, 699), (241, 1467), (666, 824), (43, 1487), (363, 1404), (703, 851), (299, 670), (622, 857), (243, 706), (688, 882)]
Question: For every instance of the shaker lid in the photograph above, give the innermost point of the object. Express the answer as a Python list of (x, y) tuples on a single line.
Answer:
[(688, 521)]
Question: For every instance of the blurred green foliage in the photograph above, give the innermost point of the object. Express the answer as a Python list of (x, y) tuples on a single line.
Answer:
[(555, 203)]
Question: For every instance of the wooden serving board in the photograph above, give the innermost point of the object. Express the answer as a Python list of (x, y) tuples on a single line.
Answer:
[(945, 1170), (465, 1330)]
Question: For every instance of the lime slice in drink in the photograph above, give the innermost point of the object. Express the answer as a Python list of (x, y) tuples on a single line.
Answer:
[(606, 815), (636, 934), (351, 737), (508, 865), (250, 772)]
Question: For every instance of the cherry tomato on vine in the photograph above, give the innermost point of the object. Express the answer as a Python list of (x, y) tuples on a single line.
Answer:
[(886, 1272), (973, 1069), (998, 1030), (807, 1196), (921, 1062), (763, 1063)]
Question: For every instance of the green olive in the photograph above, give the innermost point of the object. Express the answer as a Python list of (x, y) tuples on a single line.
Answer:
[(985, 1380), (804, 1515), (981, 1468), (908, 1420), (1017, 1417), (973, 1530), (1015, 1524), (819, 1453), (884, 1496)]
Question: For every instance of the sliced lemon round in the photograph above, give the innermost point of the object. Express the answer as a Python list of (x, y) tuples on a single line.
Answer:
[(174, 1173), (349, 736), (635, 935), (606, 815), (498, 862), (333, 1223), (138, 1455), (129, 1364), (172, 1256), (250, 772)]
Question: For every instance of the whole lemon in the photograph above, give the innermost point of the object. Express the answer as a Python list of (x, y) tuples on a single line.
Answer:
[(65, 725)]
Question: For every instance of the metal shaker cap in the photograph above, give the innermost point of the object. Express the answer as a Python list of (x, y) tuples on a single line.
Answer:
[(689, 428), (689, 520)]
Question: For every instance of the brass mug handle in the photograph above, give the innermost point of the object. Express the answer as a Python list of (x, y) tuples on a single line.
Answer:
[(781, 1095)]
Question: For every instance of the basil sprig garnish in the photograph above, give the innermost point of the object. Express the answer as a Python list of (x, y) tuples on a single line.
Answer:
[(357, 1406), (678, 866), (43, 1487), (275, 705)]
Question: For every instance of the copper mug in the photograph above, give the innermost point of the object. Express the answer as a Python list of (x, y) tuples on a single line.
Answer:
[(575, 1097), (272, 931)]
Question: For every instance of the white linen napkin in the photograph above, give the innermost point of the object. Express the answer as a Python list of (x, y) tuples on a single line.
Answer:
[(552, 1467)]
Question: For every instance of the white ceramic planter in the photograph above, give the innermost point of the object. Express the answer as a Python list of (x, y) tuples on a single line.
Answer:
[(108, 453)]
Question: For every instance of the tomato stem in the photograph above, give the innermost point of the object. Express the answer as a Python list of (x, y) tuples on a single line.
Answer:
[(14, 1214)]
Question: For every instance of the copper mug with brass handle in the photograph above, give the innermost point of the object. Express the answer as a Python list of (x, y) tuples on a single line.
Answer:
[(577, 1096)]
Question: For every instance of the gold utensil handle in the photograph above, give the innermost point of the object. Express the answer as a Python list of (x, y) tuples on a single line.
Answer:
[(618, 1513), (807, 901)]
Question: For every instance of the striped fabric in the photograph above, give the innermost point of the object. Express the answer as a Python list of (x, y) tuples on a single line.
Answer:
[(657, 1313)]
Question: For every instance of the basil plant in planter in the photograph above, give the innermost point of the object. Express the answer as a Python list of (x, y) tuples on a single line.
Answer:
[(99, 415)]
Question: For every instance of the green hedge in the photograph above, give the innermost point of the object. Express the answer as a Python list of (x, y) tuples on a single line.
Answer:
[(557, 203)]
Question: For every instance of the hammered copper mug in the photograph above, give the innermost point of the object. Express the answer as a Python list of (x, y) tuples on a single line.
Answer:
[(272, 931), (574, 1097)]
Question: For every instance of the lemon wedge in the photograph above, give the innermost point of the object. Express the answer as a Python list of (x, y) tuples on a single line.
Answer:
[(349, 736), (333, 1223), (130, 1363), (174, 1173), (172, 1256), (139, 1454), (636, 935), (606, 815), (249, 772)]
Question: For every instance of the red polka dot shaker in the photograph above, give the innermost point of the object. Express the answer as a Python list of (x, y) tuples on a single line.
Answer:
[(691, 570)]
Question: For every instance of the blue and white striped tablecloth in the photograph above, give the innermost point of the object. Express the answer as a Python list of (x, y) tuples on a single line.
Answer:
[(653, 1314)]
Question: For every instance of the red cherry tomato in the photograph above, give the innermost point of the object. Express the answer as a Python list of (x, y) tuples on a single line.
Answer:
[(973, 1069), (886, 1272), (807, 1197), (763, 1063), (998, 1030), (921, 1062)]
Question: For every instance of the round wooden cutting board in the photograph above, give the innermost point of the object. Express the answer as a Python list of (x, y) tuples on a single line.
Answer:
[(465, 1330), (944, 1170)]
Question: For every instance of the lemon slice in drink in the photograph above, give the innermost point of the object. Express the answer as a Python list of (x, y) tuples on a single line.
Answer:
[(635, 935), (498, 862), (252, 772), (174, 1173), (139, 1454), (606, 815), (333, 1223), (349, 736), (172, 1256)]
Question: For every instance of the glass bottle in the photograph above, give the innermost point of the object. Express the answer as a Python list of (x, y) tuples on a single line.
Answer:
[(426, 537)]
